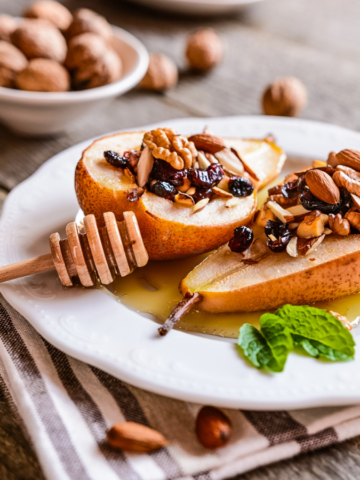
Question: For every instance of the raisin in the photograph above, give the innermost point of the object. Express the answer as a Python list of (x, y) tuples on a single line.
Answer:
[(164, 190), (116, 160), (206, 178), (240, 187), (242, 239), (202, 193), (165, 172), (310, 202), (290, 189), (282, 234)]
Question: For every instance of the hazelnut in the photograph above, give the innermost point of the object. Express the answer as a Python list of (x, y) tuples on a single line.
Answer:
[(204, 49), (162, 73), (86, 20), (39, 38), (285, 97), (85, 48), (7, 26), (12, 61), (52, 11), (103, 71), (43, 75)]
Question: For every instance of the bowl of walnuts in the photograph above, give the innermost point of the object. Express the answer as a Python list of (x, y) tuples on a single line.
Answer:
[(56, 67)]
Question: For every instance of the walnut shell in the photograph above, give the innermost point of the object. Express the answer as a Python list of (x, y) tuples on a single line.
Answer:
[(11, 62), (38, 38), (43, 75), (7, 26), (204, 49), (162, 73), (285, 97), (84, 49), (52, 11), (103, 71), (86, 20)]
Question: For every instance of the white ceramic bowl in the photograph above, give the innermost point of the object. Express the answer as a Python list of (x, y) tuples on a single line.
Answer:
[(44, 113), (198, 7)]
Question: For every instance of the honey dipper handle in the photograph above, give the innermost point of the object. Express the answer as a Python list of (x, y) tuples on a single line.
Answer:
[(26, 267)]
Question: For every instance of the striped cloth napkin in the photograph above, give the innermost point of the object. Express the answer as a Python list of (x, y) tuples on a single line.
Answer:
[(65, 407)]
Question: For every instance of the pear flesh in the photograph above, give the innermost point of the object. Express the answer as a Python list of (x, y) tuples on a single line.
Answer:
[(228, 284)]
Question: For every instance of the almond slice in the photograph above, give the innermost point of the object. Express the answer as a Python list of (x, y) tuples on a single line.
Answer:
[(291, 247), (232, 202), (319, 164), (297, 210), (145, 165), (203, 161), (200, 205), (279, 212), (191, 191), (306, 246), (211, 157), (230, 161), (356, 200), (224, 183), (184, 199), (221, 192)]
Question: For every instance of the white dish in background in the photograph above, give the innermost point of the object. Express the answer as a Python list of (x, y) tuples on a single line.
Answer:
[(91, 326), (44, 113), (197, 7)]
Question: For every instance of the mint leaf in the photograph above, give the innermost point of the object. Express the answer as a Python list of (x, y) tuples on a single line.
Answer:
[(278, 337), (324, 332), (254, 346)]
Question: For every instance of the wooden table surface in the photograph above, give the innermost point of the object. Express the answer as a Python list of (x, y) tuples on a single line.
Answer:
[(315, 40)]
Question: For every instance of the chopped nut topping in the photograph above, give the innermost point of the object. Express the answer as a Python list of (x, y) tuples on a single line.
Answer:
[(174, 149), (279, 212), (339, 225), (313, 225)]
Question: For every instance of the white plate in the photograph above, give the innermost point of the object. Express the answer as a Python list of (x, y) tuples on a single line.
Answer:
[(197, 7), (91, 326)]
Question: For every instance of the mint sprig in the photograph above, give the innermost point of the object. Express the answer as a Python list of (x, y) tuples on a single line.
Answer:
[(319, 333)]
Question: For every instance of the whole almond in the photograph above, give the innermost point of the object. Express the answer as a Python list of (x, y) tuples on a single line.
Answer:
[(134, 437), (349, 158), (213, 428), (207, 143), (322, 186)]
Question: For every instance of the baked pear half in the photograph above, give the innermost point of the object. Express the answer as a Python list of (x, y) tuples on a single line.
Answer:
[(188, 194), (302, 247)]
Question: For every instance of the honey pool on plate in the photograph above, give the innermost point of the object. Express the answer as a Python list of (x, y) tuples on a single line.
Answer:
[(153, 290)]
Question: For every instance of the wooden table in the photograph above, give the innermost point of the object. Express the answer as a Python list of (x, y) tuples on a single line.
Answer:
[(317, 41)]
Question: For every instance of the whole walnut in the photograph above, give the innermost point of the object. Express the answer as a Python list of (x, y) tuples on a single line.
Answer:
[(7, 26), (12, 61), (204, 49), (52, 11), (38, 38), (84, 49), (103, 71), (43, 75), (86, 20), (285, 97), (162, 73)]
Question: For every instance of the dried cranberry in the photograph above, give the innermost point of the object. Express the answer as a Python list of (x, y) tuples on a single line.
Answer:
[(290, 189), (282, 234), (164, 190), (240, 187), (206, 178), (310, 202), (164, 171), (202, 193), (116, 160), (242, 239)]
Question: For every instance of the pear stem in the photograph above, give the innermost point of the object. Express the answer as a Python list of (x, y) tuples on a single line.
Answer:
[(179, 311)]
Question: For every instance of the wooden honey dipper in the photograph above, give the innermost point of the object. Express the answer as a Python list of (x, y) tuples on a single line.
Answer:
[(116, 249)]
